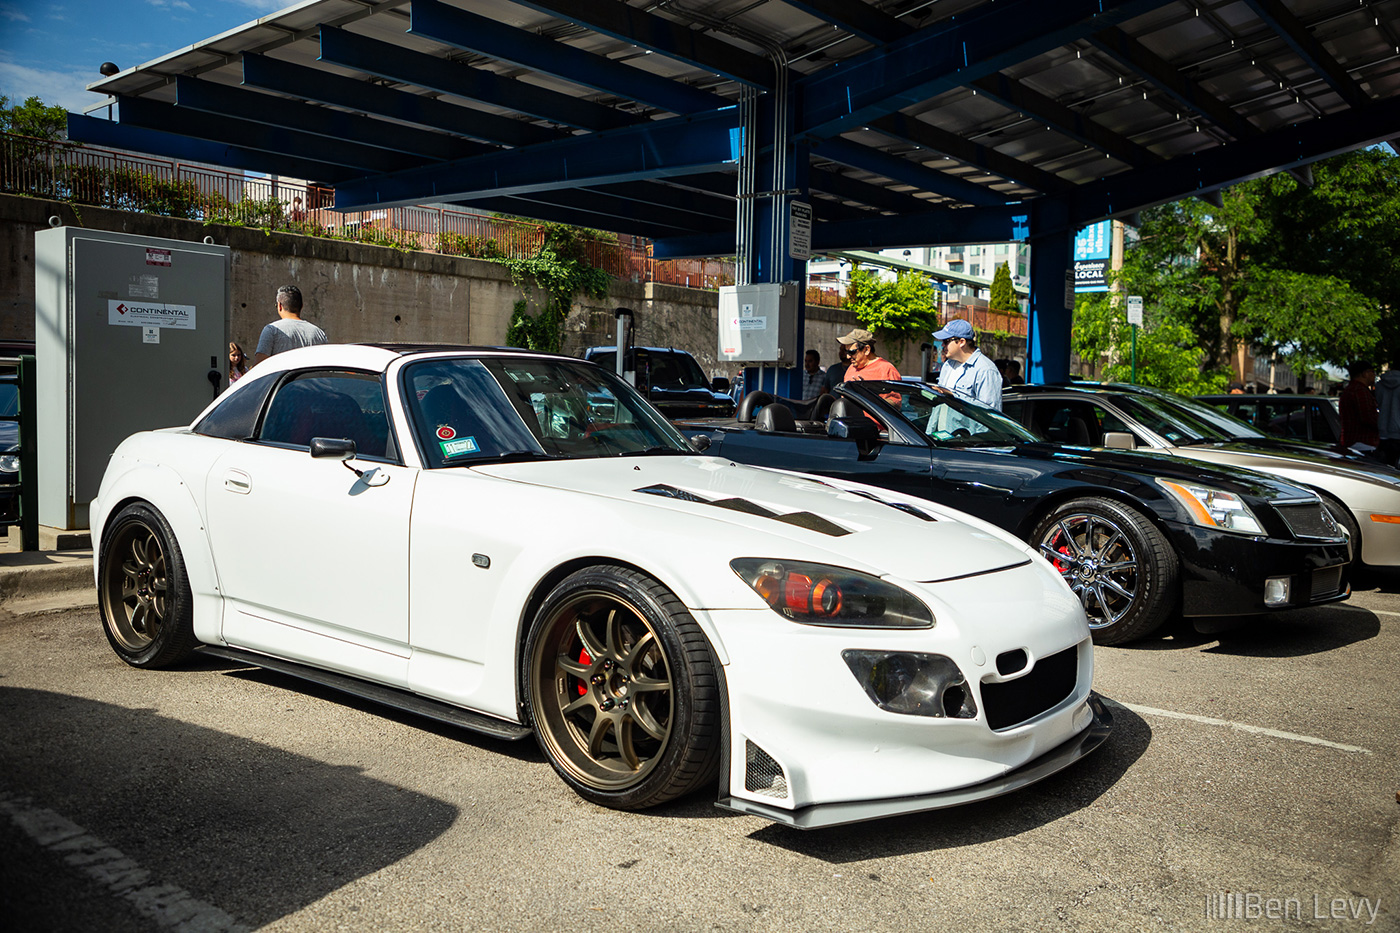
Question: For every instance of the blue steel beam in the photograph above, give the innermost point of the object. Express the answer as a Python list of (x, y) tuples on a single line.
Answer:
[(657, 149), (314, 84), (947, 55), (624, 214), (398, 64), (903, 170), (465, 30), (876, 196), (1216, 168), (931, 228), (152, 115), (100, 132), (1291, 29), (690, 207), (223, 99), (665, 37), (920, 133), (535, 207), (856, 17), (698, 246)]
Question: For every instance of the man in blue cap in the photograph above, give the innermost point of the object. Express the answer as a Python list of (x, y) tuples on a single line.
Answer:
[(966, 373)]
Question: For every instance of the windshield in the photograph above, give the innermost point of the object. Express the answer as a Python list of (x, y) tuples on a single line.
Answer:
[(1178, 425), (467, 410), (9, 399), (947, 420), (1221, 425), (660, 369)]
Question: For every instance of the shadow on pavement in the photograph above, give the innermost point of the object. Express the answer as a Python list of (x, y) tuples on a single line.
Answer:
[(1289, 634), (1058, 796), (255, 830)]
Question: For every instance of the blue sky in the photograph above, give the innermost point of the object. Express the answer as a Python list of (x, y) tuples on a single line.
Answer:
[(54, 50)]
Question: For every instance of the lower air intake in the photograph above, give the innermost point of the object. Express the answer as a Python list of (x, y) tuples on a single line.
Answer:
[(763, 775), (1043, 687)]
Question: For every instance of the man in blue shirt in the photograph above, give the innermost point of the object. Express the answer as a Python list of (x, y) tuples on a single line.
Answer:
[(966, 373)]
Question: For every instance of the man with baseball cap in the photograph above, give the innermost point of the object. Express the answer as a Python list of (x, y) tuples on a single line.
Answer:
[(966, 373), (864, 363)]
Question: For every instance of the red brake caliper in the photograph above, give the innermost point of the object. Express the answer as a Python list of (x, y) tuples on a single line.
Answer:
[(583, 658), (1059, 565)]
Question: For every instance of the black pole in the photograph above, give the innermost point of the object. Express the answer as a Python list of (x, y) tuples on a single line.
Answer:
[(28, 455)]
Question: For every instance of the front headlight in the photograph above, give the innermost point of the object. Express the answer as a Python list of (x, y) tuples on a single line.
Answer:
[(9, 463), (815, 594), (1214, 508)]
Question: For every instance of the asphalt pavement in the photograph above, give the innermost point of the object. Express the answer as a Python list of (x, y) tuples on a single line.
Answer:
[(1254, 772)]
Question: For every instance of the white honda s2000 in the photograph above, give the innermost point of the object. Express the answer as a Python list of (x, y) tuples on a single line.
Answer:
[(519, 543)]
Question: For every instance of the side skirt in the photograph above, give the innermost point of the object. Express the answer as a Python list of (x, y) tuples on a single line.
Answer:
[(388, 696)]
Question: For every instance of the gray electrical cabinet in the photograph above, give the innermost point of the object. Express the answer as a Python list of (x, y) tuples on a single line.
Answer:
[(128, 331), (758, 323)]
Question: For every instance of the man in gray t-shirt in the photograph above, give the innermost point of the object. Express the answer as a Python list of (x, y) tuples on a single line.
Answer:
[(289, 331)]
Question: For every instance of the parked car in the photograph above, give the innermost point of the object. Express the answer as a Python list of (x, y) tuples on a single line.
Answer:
[(519, 543), (1363, 495), (673, 381), (1136, 536), (1299, 417), (9, 449)]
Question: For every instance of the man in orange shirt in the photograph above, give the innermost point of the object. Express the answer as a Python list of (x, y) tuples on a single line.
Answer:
[(864, 363)]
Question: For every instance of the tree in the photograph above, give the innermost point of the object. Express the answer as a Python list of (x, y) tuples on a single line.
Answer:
[(904, 309), (1167, 355), (33, 118), (1003, 295)]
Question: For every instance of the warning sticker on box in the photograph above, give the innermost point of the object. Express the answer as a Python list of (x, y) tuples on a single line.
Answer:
[(157, 257), (133, 313)]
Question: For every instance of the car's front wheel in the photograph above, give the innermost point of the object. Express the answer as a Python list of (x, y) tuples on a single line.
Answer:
[(143, 592), (621, 689), (1117, 562)]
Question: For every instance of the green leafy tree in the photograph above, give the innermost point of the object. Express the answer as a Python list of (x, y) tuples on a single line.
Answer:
[(1167, 355), (900, 310), (1003, 296), (33, 118), (560, 269)]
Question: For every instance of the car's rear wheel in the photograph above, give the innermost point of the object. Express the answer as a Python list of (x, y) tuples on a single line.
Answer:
[(1117, 562), (143, 592), (621, 689)]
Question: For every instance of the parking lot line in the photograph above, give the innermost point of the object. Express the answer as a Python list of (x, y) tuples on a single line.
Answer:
[(170, 906), (1243, 727)]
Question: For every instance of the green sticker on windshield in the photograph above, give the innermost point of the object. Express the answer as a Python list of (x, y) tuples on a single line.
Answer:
[(462, 445)]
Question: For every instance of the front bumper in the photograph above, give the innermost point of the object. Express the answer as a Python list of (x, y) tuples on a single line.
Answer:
[(821, 816), (9, 503), (1224, 574)]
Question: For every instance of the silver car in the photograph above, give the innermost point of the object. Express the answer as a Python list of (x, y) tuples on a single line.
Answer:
[(1363, 496)]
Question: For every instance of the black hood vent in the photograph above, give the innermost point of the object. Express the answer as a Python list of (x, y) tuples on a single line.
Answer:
[(807, 520)]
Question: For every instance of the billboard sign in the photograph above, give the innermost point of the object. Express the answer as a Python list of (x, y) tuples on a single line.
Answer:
[(1092, 246)]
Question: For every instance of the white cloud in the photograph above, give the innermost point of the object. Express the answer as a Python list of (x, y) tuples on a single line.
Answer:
[(65, 89), (171, 4), (267, 6), (11, 12)]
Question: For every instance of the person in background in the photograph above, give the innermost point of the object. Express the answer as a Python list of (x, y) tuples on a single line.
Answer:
[(1358, 406), (289, 331), (836, 373), (865, 364), (966, 373), (1236, 388), (812, 374), (1013, 374), (237, 363), (1388, 415)]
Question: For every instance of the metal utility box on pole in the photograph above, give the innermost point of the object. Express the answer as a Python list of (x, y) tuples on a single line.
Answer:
[(131, 333)]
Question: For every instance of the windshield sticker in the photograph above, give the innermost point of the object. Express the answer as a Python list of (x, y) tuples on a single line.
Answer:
[(462, 445), (446, 432)]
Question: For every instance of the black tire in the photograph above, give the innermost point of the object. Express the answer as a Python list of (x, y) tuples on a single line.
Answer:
[(143, 591), (600, 635), (1117, 562)]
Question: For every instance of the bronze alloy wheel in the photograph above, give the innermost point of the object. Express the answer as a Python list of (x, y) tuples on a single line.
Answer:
[(621, 689), (142, 590), (1117, 563)]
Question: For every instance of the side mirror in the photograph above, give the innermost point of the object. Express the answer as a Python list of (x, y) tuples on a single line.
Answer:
[(720, 384), (1119, 440), (700, 443), (859, 428), (334, 448)]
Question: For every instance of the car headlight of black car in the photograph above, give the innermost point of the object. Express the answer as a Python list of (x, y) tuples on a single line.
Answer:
[(9, 463), (1214, 508), (816, 594)]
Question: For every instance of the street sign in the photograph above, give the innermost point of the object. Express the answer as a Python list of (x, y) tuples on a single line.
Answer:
[(1135, 310), (799, 230)]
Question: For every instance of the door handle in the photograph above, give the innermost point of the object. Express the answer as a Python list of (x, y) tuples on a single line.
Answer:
[(238, 481)]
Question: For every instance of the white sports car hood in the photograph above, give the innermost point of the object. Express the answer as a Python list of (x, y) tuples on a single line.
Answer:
[(874, 527)]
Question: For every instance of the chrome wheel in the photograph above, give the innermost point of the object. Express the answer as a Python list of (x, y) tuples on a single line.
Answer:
[(137, 586), (603, 690), (1098, 561)]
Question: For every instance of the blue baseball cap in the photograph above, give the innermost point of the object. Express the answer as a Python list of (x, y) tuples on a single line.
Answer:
[(956, 328)]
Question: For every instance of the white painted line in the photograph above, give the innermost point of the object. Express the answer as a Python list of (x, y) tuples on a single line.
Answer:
[(1374, 612), (1243, 727), (169, 906)]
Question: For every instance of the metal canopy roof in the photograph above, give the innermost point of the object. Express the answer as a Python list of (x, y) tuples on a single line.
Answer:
[(920, 121)]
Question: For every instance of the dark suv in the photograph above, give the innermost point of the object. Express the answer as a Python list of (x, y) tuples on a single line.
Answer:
[(673, 381), (9, 449)]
